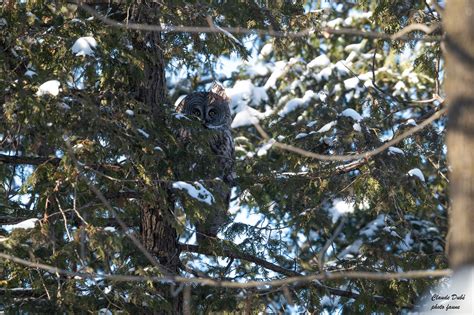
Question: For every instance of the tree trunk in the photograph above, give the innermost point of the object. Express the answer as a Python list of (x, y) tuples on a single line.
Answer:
[(158, 235), (459, 51)]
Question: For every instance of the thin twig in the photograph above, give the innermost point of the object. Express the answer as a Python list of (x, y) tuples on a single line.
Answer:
[(74, 207), (64, 218)]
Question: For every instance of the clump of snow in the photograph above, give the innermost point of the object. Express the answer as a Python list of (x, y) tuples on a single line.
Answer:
[(245, 118), (278, 71), (84, 46), (399, 88), (129, 112), (281, 67), (264, 149), (257, 69), (369, 83), (410, 122), (357, 127), (356, 14), (297, 102), (355, 47), (395, 150), (266, 50), (349, 112), (323, 95), (143, 133), (342, 67), (64, 106), (339, 208), (27, 224), (107, 290), (311, 123), (30, 73), (351, 249), (334, 23), (301, 135), (249, 116), (325, 73), (416, 172), (370, 229), (50, 87), (351, 83), (157, 148), (353, 55), (411, 75), (104, 311), (320, 61), (327, 126), (407, 242), (330, 301), (180, 116), (244, 93), (196, 191)]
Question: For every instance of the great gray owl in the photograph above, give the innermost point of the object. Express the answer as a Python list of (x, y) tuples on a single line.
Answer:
[(212, 109)]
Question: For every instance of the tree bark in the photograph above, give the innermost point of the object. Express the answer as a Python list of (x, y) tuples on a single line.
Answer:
[(459, 52), (157, 233)]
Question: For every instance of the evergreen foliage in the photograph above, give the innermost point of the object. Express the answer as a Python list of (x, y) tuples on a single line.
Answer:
[(391, 220)]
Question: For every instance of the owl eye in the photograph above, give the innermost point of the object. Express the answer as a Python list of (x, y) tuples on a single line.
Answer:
[(196, 112), (212, 113)]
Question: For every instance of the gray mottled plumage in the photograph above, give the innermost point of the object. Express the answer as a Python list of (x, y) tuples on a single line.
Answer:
[(212, 108)]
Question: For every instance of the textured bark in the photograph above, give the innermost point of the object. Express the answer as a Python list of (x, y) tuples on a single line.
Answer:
[(152, 89), (159, 237), (459, 45), (157, 233)]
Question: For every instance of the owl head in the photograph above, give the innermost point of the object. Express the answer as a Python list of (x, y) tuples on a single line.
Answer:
[(212, 107)]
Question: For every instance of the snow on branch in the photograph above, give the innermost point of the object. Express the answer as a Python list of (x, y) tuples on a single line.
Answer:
[(196, 191)]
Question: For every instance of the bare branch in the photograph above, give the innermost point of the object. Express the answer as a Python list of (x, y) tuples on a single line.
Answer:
[(381, 276), (349, 157), (416, 27), (268, 265), (270, 32)]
